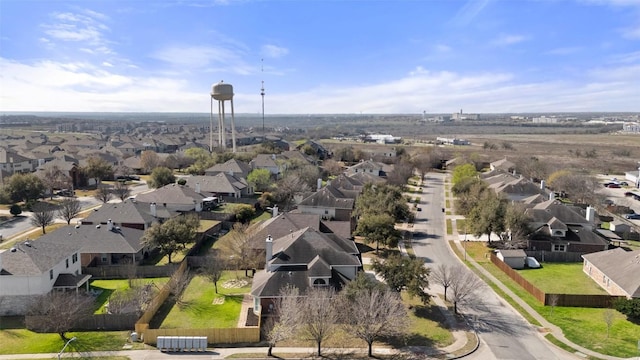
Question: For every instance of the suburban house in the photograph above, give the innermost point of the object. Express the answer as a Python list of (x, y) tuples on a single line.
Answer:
[(128, 214), (330, 203), (175, 197), (107, 244), (317, 149), (232, 167), (223, 185), (266, 161), (12, 162), (32, 268), (305, 258), (502, 164), (561, 228), (615, 270), (515, 187), (368, 166)]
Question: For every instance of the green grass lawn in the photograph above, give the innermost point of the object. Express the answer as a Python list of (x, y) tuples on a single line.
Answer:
[(202, 308), (583, 326), (109, 287), (449, 227), (574, 280), (22, 341)]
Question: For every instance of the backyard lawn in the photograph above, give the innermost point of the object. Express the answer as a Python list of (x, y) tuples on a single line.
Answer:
[(584, 326), (109, 287), (201, 307), (562, 278)]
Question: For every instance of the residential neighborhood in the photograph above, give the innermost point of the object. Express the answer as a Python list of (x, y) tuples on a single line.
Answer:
[(272, 221)]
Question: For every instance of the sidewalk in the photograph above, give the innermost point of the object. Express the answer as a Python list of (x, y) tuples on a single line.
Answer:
[(546, 325)]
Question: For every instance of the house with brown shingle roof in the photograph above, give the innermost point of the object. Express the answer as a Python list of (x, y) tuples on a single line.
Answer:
[(233, 167), (222, 185)]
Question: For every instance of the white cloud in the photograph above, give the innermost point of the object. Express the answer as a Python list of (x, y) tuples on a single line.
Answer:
[(565, 50), (508, 39), (79, 86), (274, 51), (469, 11), (86, 28), (196, 57), (632, 32)]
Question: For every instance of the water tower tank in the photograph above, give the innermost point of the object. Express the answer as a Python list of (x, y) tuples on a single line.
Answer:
[(222, 91)]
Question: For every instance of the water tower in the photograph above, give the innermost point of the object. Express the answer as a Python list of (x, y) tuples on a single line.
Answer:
[(222, 92)]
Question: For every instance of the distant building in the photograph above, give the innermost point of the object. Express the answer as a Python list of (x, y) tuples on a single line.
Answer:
[(633, 128), (453, 141), (545, 120), (382, 138), (462, 116)]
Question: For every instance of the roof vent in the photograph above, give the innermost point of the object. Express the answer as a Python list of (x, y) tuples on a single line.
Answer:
[(77, 226), (98, 226), (13, 249), (27, 244)]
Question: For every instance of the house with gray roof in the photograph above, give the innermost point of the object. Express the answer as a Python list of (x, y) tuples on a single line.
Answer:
[(128, 214), (175, 197), (304, 259), (560, 228), (615, 270), (102, 244), (223, 185), (12, 162), (33, 268), (329, 203), (232, 167), (265, 161)]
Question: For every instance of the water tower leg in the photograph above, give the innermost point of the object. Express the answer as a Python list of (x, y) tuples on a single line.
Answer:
[(224, 128), (220, 125), (233, 127)]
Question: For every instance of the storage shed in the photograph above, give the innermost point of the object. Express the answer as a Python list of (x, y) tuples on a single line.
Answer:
[(514, 258)]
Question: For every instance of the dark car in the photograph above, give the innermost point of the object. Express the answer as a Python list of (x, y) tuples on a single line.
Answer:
[(632, 216), (65, 192), (613, 186)]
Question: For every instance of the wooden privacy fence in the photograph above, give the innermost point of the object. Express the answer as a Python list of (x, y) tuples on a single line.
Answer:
[(109, 322), (554, 256), (129, 271), (570, 300)]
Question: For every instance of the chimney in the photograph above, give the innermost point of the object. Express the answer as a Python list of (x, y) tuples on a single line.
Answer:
[(552, 195), (152, 208), (198, 206), (591, 214), (274, 211), (269, 251), (198, 188), (543, 184), (319, 184), (109, 225)]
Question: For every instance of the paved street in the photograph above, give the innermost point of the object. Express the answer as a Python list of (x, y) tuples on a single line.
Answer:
[(503, 332)]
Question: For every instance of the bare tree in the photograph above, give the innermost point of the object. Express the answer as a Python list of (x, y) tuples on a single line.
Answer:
[(43, 216), (287, 188), (133, 301), (239, 245), (213, 268), (58, 311), (463, 285), (283, 322), (553, 302), (103, 193), (318, 316), (373, 314), (121, 190), (609, 318), (177, 286), (149, 160), (69, 208), (443, 275)]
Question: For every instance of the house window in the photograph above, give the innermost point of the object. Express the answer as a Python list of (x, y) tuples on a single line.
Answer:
[(319, 282), (67, 263), (559, 248), (74, 258), (104, 258), (51, 274)]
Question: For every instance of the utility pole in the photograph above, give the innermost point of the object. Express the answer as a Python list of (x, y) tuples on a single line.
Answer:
[(264, 135)]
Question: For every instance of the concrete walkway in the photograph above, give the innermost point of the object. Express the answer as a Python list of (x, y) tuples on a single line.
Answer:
[(546, 325)]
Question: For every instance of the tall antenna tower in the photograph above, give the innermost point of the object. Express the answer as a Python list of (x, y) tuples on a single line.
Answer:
[(264, 135)]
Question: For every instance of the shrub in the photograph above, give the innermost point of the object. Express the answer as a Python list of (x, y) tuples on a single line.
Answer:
[(182, 182), (15, 210), (629, 307)]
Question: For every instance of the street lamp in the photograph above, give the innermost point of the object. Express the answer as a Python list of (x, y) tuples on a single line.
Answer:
[(65, 346)]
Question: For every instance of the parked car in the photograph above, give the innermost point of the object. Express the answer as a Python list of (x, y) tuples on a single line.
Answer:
[(65, 192), (632, 216), (613, 186), (624, 183)]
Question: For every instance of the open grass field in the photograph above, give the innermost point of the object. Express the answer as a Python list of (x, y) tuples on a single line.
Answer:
[(201, 307), (584, 326), (573, 279)]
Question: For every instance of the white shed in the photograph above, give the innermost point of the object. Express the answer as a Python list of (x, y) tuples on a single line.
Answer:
[(514, 258)]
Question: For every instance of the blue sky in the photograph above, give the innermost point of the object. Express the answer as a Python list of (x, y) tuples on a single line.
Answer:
[(405, 56)]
